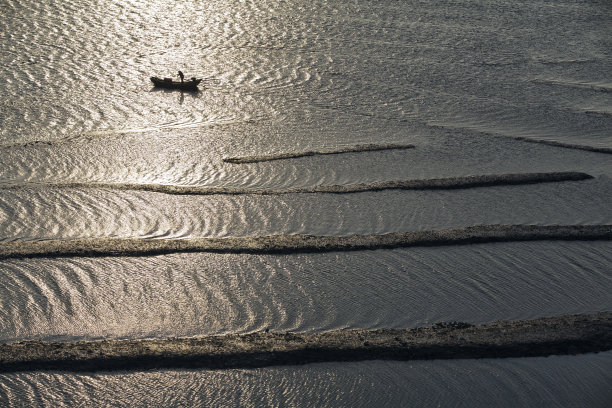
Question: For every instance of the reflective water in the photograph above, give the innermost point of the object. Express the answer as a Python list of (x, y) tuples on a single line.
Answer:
[(461, 81), (191, 294), (528, 382)]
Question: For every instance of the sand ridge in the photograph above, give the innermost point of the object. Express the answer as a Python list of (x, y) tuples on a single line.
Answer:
[(448, 183), (560, 335), (289, 244)]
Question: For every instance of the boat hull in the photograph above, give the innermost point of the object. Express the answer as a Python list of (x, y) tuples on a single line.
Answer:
[(191, 85)]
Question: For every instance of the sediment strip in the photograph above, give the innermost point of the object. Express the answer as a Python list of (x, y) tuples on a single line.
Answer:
[(286, 244), (560, 335), (295, 155), (596, 149), (487, 180)]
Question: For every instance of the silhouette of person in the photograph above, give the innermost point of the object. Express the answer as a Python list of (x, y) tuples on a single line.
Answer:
[(181, 75)]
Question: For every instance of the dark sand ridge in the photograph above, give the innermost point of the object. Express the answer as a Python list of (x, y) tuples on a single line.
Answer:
[(583, 85), (287, 244), (295, 155), (596, 149), (605, 150), (561, 335), (450, 183)]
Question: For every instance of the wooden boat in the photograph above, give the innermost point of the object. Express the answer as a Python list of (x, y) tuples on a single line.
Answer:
[(189, 85)]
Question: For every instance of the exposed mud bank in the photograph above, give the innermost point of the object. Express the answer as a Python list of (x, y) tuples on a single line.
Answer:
[(287, 244), (548, 142), (487, 180), (568, 334), (605, 150), (295, 155)]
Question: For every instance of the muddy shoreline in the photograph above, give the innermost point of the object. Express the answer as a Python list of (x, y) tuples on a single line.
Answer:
[(560, 335)]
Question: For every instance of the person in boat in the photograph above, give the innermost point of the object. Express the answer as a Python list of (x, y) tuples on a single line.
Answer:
[(182, 76)]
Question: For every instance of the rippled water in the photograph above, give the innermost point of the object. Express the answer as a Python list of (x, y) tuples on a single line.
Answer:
[(478, 87), (527, 382), (191, 294)]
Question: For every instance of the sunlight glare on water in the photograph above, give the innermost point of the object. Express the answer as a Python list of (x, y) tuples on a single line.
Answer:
[(476, 87)]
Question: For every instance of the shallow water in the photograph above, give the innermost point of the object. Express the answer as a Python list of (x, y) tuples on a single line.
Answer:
[(461, 81), (526, 382), (191, 294)]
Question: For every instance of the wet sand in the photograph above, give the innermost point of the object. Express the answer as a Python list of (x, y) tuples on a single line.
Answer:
[(449, 183), (349, 149), (596, 149), (560, 335), (288, 244)]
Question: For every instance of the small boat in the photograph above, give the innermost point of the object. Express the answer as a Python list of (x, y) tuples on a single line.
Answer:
[(189, 85)]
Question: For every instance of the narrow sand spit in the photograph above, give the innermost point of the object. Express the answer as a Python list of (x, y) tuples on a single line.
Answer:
[(560, 335), (348, 149), (287, 244), (450, 183)]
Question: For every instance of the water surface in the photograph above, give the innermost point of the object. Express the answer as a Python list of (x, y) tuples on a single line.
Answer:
[(478, 87)]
